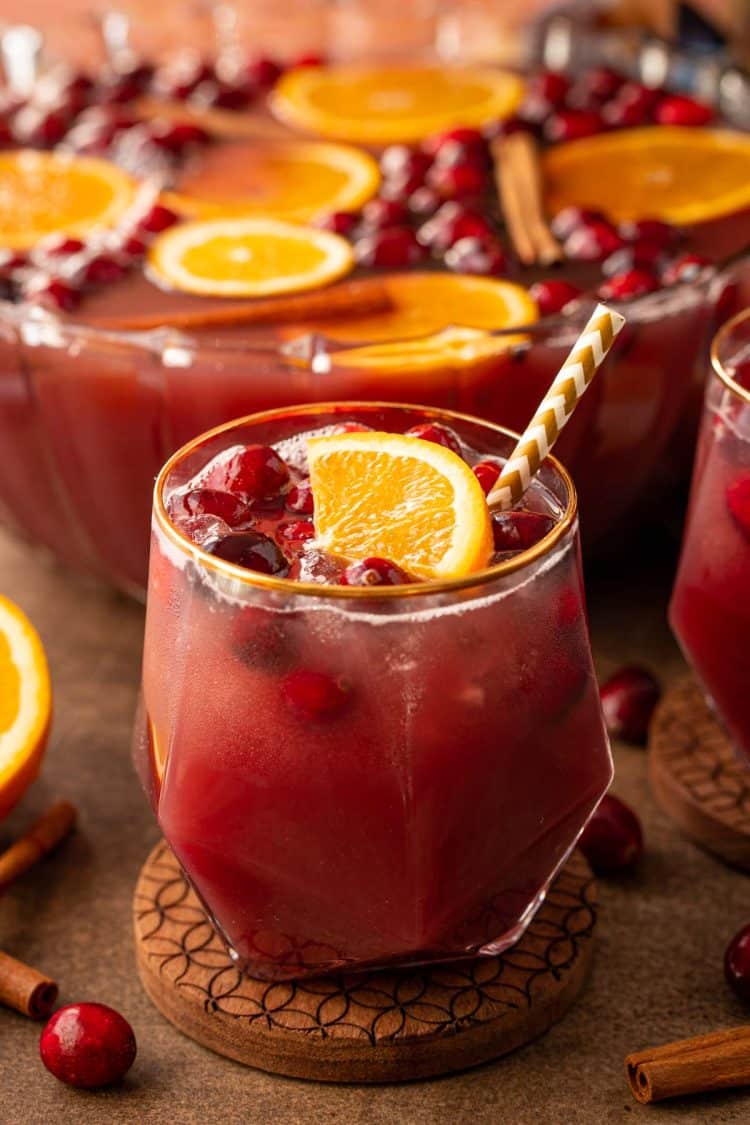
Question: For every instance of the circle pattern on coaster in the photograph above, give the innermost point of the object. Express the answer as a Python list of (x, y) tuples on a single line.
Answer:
[(697, 775), (387, 1025)]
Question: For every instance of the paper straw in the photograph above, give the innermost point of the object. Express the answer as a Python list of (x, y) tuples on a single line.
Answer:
[(555, 408)]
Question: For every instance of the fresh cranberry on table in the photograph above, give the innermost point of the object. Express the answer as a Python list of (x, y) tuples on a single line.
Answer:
[(641, 255), (340, 222), (519, 529), (157, 219), (300, 498), (87, 1045), (629, 285), (487, 473), (685, 268), (573, 218), (314, 695), (612, 841), (571, 125), (628, 700), (738, 502), (452, 222), (374, 572), (52, 292), (592, 242), (678, 109), (553, 295), (263, 71), (379, 213), (255, 472), (390, 248), (550, 85), (437, 433), (249, 549), (457, 181), (737, 964), (212, 502), (483, 256)]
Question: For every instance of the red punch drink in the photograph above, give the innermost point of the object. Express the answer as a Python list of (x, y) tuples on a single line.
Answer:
[(356, 765), (710, 610)]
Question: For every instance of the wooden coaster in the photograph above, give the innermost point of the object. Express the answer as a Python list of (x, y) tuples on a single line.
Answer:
[(371, 1027), (697, 776)]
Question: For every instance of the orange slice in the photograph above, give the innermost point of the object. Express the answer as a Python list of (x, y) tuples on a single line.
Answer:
[(401, 498), (379, 105), (681, 175), (297, 181), (25, 704), (247, 257), (44, 193)]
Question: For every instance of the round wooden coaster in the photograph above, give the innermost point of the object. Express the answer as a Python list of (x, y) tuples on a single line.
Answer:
[(697, 776), (371, 1027)]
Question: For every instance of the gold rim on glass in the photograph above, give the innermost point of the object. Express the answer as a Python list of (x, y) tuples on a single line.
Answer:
[(320, 590), (717, 363)]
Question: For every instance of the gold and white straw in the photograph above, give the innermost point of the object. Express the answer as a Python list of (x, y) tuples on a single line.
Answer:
[(555, 408)]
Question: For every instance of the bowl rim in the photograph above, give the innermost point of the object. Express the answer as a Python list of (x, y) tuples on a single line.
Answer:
[(718, 364)]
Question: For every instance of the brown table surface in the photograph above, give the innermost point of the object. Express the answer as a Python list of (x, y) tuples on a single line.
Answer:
[(660, 938)]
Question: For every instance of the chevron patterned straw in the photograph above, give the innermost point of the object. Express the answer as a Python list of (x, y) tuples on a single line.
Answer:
[(556, 407)]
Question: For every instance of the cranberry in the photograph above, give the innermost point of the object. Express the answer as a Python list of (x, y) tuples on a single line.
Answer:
[(518, 530), (483, 256), (569, 607), (350, 428), (158, 218), (314, 695), (424, 201), (133, 247), (254, 473), (628, 701), (592, 242), (180, 79), (549, 85), (176, 136), (10, 262), (685, 268), (264, 72), (471, 140), (138, 71), (39, 127), (573, 218), (642, 256), (340, 222), (509, 125), (533, 112), (213, 94), (295, 531), (571, 124), (60, 246), (374, 572), (380, 213), (212, 502), (53, 292), (629, 285), (623, 114), (437, 433), (677, 109), (454, 153), (103, 269), (737, 964), (308, 59), (452, 222), (299, 498), (553, 295), (390, 248), (600, 83), (738, 502), (487, 473), (87, 1045), (634, 93), (653, 231), (250, 549), (612, 841), (457, 181), (405, 167)]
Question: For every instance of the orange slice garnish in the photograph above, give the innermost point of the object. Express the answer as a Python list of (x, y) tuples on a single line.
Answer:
[(43, 193), (379, 105), (297, 181), (25, 704), (247, 257), (681, 175), (401, 498)]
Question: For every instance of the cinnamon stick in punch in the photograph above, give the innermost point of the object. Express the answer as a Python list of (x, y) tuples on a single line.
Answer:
[(718, 1061), (518, 179)]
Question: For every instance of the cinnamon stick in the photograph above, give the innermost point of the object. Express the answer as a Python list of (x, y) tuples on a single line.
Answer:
[(347, 299), (518, 178), (45, 834), (716, 1061), (25, 990)]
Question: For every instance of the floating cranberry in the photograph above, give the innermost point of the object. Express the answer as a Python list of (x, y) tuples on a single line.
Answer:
[(471, 139), (599, 83), (176, 136), (60, 246), (133, 247), (314, 695), (737, 964), (518, 530), (573, 218), (571, 125), (509, 125), (629, 285), (592, 242), (390, 248), (309, 58), (653, 231), (53, 292), (406, 167), (350, 428), (487, 473), (624, 114), (263, 71), (450, 223), (10, 262), (457, 181), (212, 502), (374, 572), (340, 222), (158, 218), (685, 268), (533, 112), (437, 433), (40, 128), (628, 701), (677, 109), (295, 531), (87, 1045), (379, 213), (249, 549), (483, 256), (641, 256), (424, 201), (634, 93), (454, 153), (254, 473), (213, 94), (612, 841), (181, 78), (550, 85), (103, 269), (300, 499), (553, 295), (738, 502)]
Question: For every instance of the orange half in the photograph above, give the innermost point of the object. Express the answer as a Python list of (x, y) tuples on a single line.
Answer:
[(380, 105), (25, 704), (43, 193), (681, 175)]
